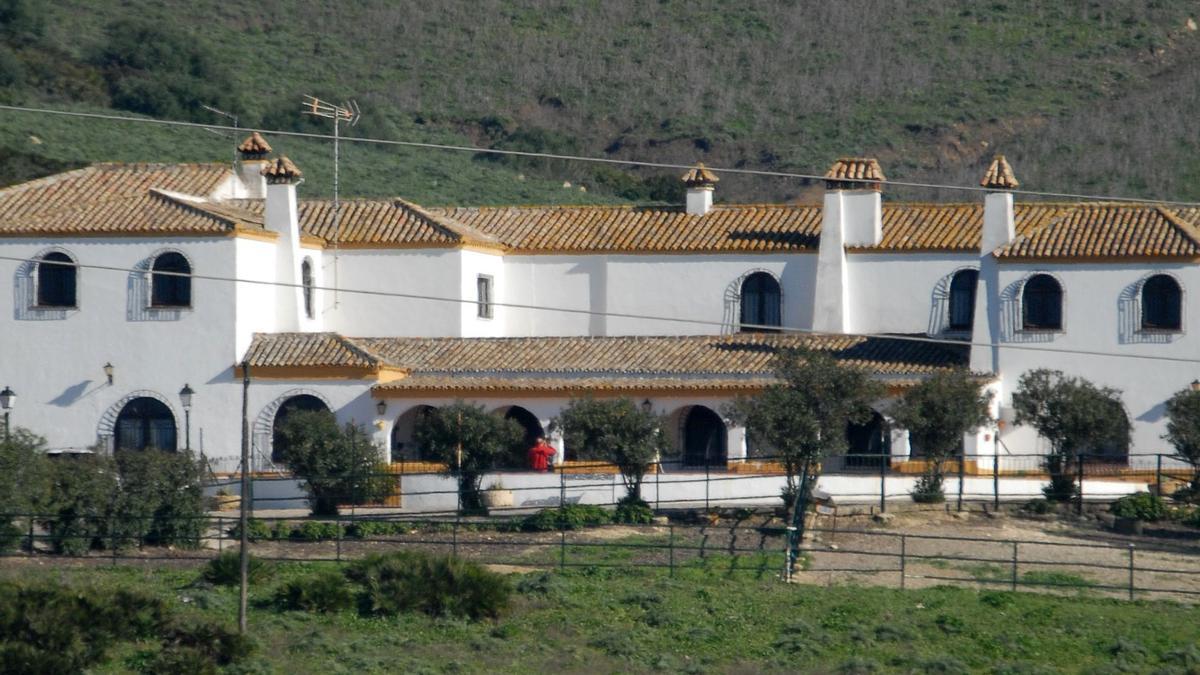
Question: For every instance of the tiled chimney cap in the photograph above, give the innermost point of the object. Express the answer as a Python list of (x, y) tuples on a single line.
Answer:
[(999, 175), (855, 173), (699, 176), (254, 147), (281, 170)]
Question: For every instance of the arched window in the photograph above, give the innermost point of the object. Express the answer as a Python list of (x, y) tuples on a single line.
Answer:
[(306, 282), (145, 423), (1162, 303), (1041, 303), (962, 299), (167, 287), (760, 303), (56, 281)]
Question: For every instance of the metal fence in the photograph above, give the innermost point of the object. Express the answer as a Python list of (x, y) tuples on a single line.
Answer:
[(746, 543)]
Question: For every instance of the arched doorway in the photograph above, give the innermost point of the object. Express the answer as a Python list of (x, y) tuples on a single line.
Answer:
[(533, 430), (868, 442), (145, 423), (302, 402), (404, 444), (704, 438)]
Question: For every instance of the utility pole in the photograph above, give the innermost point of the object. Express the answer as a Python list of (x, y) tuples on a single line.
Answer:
[(244, 518), (347, 112)]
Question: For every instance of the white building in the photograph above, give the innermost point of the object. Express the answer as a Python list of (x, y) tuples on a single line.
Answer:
[(174, 274)]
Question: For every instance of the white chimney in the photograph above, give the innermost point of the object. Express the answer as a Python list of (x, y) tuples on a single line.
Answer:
[(252, 155), (998, 230), (998, 220), (700, 183), (852, 216), (282, 216)]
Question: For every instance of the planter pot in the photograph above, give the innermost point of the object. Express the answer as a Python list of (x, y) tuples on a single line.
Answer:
[(497, 499)]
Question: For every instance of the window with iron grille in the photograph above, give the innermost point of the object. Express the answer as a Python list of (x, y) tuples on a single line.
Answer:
[(483, 296)]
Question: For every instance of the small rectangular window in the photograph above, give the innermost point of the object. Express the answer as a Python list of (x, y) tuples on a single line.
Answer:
[(483, 296)]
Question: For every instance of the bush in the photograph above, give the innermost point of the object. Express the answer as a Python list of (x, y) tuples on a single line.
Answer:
[(436, 585), (315, 530), (1140, 506), (79, 502), (325, 591), (365, 529), (256, 530), (211, 641), (45, 628), (633, 511), (928, 489), (339, 465), (10, 537), (1192, 519), (226, 569), (160, 499), (1038, 506), (569, 517)]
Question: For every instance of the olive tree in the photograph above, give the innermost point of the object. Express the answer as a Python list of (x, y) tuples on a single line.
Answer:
[(937, 413), (803, 419), (339, 465), (1075, 416), (617, 431), (470, 442), (1183, 431)]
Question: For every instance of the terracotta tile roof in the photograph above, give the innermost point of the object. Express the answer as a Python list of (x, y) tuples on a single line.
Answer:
[(849, 173), (623, 229), (366, 222), (690, 362), (307, 350), (254, 147), (950, 227), (999, 176), (699, 176), (281, 170), (129, 199), (1103, 230)]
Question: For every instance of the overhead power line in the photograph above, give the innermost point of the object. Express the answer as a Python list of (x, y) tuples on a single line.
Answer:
[(582, 158), (623, 315)]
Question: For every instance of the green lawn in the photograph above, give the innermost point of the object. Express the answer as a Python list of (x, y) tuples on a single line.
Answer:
[(703, 620)]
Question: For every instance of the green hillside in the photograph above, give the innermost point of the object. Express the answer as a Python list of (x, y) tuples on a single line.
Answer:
[(1082, 96)]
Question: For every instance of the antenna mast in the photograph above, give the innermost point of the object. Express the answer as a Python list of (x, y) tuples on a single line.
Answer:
[(346, 112)]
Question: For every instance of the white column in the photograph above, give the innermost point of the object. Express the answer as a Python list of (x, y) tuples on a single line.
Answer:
[(735, 442)]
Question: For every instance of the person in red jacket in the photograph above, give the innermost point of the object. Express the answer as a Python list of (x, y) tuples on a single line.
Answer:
[(540, 455)]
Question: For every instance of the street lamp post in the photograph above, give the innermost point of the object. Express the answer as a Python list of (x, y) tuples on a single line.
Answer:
[(185, 397), (8, 398)]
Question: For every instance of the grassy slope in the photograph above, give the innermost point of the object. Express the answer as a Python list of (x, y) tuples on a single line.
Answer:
[(596, 621), (1089, 97)]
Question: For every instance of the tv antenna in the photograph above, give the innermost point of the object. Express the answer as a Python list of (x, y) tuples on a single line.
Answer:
[(232, 117), (346, 113)]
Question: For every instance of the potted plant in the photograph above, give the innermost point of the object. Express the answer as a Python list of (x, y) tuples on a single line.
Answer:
[(497, 496)]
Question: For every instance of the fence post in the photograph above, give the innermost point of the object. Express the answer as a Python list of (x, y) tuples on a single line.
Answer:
[(337, 524), (883, 462), (1014, 566), (31, 551), (903, 559), (562, 519), (657, 484), (671, 549), (1079, 476), (220, 535), (1158, 475), (707, 479), (454, 536), (962, 475), (996, 483), (1131, 568)]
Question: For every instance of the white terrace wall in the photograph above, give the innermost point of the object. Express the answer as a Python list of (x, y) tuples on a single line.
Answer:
[(426, 272), (1101, 314)]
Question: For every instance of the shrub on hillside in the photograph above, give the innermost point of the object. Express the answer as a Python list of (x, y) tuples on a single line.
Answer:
[(226, 569), (569, 517), (1140, 506), (436, 585), (633, 511), (325, 591)]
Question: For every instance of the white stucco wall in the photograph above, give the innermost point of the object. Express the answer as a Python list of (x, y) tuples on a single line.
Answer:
[(906, 293), (1101, 315), (425, 272)]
